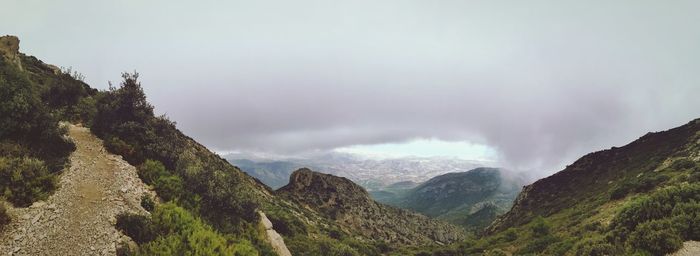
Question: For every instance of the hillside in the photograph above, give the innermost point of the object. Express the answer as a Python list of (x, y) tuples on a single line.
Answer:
[(456, 196), (78, 219), (351, 207), (639, 199), (202, 199)]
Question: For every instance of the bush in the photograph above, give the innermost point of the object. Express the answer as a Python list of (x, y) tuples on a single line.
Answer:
[(648, 183), (538, 245), (119, 147), (138, 227), (540, 227), (657, 237), (683, 164), (620, 191), (150, 171), (509, 235), (595, 247), (177, 232), (301, 245), (4, 217), (169, 187), (25, 180), (286, 224), (147, 203)]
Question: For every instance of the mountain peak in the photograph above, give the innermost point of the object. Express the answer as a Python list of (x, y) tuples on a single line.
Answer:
[(9, 48), (335, 190), (350, 206)]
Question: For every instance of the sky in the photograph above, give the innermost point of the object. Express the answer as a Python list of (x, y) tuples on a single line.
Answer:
[(529, 85)]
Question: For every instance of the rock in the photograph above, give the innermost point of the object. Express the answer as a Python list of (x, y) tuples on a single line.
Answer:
[(37, 217), (38, 204)]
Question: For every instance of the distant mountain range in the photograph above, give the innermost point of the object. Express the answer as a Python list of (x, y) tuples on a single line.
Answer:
[(471, 198), (372, 174)]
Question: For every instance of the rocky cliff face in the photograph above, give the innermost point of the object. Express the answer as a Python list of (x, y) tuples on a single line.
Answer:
[(351, 207)]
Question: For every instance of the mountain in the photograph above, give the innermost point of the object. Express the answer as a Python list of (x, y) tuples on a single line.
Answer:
[(639, 199), (199, 198), (351, 207), (273, 173), (455, 197), (372, 174), (595, 174)]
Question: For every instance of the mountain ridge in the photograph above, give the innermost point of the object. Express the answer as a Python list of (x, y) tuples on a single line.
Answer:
[(351, 205)]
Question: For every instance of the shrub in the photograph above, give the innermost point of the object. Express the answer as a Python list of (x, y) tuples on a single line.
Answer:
[(151, 170), (538, 245), (138, 227), (694, 177), (657, 237), (594, 247), (620, 191), (686, 220), (169, 187), (286, 224), (540, 227), (177, 232), (509, 235), (25, 180), (147, 203), (119, 147), (683, 164), (559, 248), (648, 183), (4, 217)]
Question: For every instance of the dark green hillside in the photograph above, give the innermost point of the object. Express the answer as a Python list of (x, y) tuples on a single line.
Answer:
[(460, 197), (639, 199)]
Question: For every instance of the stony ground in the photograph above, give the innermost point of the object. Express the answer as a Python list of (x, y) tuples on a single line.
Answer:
[(690, 248), (78, 219)]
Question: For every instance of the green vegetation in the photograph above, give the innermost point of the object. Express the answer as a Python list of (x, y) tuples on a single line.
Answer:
[(4, 217), (659, 210), (25, 180), (147, 203), (172, 230), (32, 147)]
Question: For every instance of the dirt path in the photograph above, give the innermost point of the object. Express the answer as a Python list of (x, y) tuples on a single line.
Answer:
[(690, 248), (78, 219)]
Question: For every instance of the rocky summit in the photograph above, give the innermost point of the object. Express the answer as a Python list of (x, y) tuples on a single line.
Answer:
[(351, 207)]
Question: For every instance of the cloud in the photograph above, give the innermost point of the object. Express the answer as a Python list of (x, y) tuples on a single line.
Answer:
[(541, 82)]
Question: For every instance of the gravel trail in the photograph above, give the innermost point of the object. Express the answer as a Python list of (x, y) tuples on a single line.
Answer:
[(78, 219)]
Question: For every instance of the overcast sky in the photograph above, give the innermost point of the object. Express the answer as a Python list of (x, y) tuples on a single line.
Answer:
[(531, 84)]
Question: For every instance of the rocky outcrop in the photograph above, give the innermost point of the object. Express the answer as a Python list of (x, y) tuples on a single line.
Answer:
[(9, 49), (79, 218), (350, 206), (276, 241)]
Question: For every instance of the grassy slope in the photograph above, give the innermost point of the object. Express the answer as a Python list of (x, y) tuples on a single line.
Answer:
[(581, 205)]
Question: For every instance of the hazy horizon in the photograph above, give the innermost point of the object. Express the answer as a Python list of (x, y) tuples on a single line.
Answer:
[(530, 86)]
